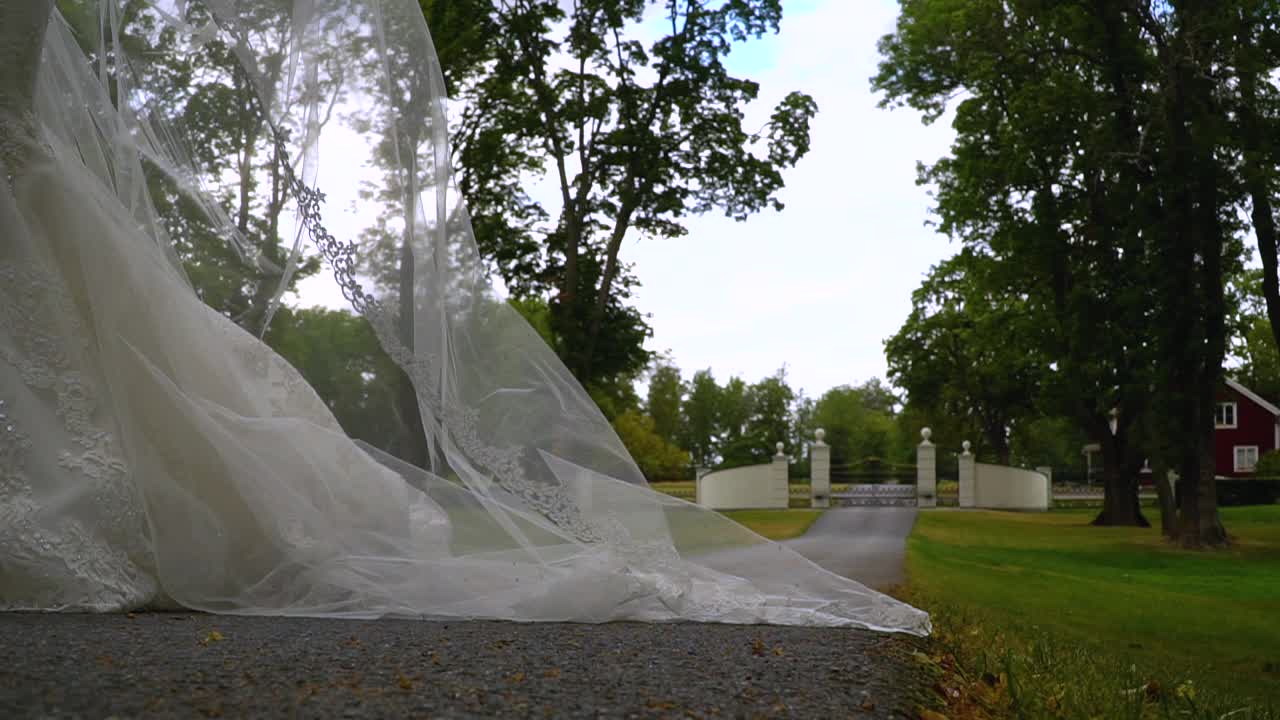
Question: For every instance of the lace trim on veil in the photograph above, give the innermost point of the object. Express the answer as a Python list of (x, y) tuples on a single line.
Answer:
[(77, 567)]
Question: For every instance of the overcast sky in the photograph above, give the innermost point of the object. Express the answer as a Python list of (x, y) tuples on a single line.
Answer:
[(819, 286)]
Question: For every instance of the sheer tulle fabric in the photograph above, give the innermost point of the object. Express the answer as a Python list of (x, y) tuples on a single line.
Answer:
[(157, 454)]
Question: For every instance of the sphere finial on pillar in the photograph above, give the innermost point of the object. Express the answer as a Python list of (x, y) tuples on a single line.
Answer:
[(925, 434), (779, 446), (966, 445), (819, 434)]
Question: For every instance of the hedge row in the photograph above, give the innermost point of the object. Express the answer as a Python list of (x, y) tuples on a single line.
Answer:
[(1248, 491)]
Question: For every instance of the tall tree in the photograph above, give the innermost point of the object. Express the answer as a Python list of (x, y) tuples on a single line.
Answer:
[(700, 419), (634, 138), (970, 348), (658, 458), (1190, 39), (210, 107), (876, 395), (1255, 108), (1095, 155), (733, 412), (409, 136), (771, 402), (857, 423), (666, 390)]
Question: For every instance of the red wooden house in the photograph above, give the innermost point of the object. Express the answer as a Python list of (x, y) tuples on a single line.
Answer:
[(1247, 427)]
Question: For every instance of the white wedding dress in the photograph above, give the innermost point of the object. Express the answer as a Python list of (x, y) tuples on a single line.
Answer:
[(153, 454)]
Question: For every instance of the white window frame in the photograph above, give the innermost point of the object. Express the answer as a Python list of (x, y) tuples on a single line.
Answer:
[(1235, 458), (1235, 416)]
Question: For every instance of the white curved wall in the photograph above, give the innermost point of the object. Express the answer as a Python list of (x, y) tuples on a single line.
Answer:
[(744, 488), (1007, 488)]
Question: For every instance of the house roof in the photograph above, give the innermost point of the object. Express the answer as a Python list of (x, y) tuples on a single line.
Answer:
[(1253, 396)]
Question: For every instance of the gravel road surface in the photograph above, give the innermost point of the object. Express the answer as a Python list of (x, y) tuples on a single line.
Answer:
[(191, 665)]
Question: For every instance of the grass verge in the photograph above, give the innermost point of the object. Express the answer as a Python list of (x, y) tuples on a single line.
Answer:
[(1042, 615), (775, 524)]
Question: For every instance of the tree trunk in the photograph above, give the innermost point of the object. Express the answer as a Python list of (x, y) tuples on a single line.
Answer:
[(257, 316), (621, 224), (1119, 487), (1195, 291), (1160, 474), (248, 139), (1198, 521), (413, 444), (1120, 501), (565, 309), (413, 441)]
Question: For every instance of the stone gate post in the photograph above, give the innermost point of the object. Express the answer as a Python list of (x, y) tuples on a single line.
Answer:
[(781, 482), (968, 476), (926, 471), (819, 471)]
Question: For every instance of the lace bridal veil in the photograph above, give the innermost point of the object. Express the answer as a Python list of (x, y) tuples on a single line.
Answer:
[(155, 453)]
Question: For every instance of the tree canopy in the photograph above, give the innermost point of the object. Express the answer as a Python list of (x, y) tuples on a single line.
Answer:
[(1106, 157), (635, 138)]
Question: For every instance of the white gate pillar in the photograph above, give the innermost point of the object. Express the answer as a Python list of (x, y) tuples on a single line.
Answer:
[(781, 483), (819, 471), (968, 476), (926, 471)]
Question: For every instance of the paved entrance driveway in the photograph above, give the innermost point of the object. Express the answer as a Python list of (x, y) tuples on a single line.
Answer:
[(866, 544)]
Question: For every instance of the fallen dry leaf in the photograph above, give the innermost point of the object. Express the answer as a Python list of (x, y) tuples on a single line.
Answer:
[(922, 658), (212, 636)]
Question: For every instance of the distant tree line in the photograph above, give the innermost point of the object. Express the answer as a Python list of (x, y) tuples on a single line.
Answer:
[(737, 423), (698, 421)]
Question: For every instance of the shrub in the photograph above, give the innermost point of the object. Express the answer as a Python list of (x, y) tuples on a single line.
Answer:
[(1248, 491), (657, 458), (1268, 465)]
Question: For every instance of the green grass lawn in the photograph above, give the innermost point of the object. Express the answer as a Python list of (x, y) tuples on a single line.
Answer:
[(1077, 617), (775, 524), (682, 490), (799, 492)]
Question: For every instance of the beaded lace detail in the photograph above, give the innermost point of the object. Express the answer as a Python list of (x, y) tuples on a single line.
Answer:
[(69, 564)]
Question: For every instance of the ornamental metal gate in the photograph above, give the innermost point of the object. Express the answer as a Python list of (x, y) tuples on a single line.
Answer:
[(875, 495)]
